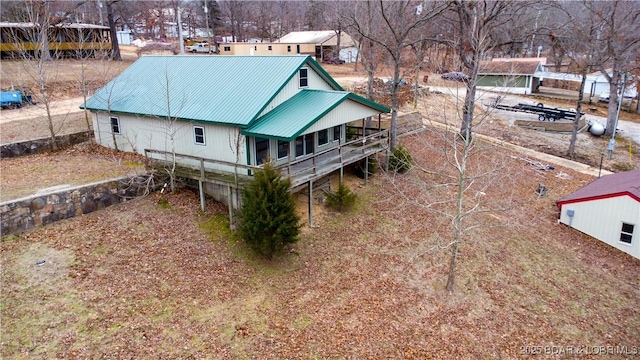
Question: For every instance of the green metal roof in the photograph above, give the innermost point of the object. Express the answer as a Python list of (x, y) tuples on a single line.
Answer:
[(288, 120), (231, 90)]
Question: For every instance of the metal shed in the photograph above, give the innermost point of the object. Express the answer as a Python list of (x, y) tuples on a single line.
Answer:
[(607, 209)]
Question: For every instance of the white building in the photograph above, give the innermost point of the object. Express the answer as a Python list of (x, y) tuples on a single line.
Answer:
[(607, 209)]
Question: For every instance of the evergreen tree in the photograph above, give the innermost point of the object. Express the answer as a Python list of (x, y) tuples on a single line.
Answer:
[(267, 220), (343, 199)]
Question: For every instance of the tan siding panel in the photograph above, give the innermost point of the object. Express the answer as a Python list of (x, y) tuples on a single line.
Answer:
[(346, 112), (293, 87), (138, 134)]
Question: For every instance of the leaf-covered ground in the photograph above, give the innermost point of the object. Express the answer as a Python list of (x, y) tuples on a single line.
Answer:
[(156, 278), (81, 164)]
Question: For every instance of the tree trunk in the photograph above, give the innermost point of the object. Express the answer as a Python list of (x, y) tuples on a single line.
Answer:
[(115, 48), (457, 219), (394, 103), (452, 268), (576, 120), (469, 105)]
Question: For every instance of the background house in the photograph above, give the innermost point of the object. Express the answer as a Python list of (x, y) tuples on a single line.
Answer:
[(607, 209), (325, 43), (319, 44), (225, 115), (509, 75)]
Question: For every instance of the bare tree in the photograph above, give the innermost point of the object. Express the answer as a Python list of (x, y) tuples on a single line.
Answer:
[(115, 48), (620, 43), (400, 22), (476, 23), (235, 11), (451, 179), (363, 20), (576, 35)]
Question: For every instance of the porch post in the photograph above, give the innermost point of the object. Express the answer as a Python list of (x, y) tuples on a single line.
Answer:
[(366, 170), (201, 185), (201, 188), (310, 203), (379, 123), (340, 152), (230, 205)]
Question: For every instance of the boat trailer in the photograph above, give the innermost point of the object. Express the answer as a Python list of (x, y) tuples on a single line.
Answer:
[(544, 113)]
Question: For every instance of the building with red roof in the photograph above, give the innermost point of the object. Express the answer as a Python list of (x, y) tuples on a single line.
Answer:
[(607, 209)]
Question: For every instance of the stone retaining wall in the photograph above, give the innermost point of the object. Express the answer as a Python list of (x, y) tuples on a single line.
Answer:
[(40, 209), (42, 145)]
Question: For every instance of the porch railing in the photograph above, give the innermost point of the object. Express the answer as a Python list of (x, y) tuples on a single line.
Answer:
[(342, 154)]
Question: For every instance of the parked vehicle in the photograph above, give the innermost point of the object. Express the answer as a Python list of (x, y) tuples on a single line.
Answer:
[(455, 76), (10, 99), (604, 96), (202, 47), (335, 61)]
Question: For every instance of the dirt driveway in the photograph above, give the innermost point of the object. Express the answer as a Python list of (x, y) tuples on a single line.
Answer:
[(27, 112)]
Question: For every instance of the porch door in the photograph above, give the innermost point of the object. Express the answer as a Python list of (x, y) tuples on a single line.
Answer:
[(304, 145)]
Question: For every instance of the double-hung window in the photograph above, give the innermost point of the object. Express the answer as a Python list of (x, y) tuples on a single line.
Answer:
[(304, 77), (198, 135), (626, 234), (115, 125)]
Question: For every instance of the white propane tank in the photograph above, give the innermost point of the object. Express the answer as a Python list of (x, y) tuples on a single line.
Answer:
[(596, 129)]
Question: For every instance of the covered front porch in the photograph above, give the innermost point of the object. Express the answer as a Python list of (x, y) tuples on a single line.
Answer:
[(225, 184)]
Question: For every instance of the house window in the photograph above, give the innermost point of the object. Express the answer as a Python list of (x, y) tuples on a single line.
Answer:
[(298, 49), (626, 235), (323, 137), (337, 131), (262, 150), (227, 48), (304, 145), (283, 149), (304, 77), (255, 48), (198, 135), (269, 48), (115, 125), (288, 48)]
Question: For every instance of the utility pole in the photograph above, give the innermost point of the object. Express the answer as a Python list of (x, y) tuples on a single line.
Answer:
[(100, 10), (612, 141), (206, 19), (180, 31)]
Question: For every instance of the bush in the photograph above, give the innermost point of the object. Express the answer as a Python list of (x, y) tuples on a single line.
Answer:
[(400, 160), (341, 200), (267, 219), (362, 165)]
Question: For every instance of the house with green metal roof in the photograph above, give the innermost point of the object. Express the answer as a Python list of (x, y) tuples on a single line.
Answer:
[(225, 115)]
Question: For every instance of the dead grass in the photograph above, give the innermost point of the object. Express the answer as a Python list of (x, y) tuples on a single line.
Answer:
[(37, 127), (81, 164), (157, 278)]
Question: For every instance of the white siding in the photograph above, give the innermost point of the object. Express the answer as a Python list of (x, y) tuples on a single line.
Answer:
[(140, 133), (346, 112), (293, 87), (603, 220)]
